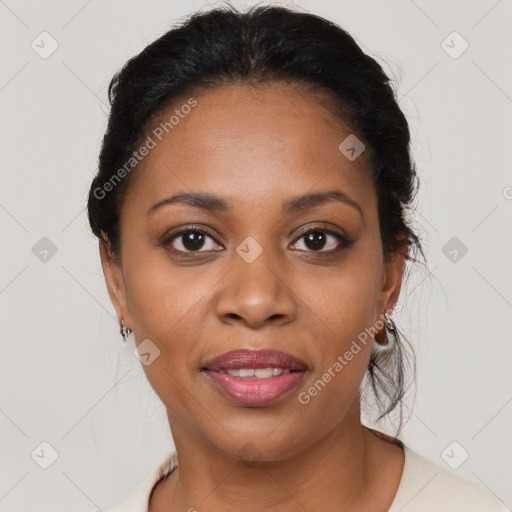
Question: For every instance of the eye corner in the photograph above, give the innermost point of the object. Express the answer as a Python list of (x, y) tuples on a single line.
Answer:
[(343, 241)]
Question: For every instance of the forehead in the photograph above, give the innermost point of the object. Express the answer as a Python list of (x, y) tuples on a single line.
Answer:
[(251, 145)]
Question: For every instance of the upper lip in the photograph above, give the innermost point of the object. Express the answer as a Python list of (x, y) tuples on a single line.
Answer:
[(262, 358)]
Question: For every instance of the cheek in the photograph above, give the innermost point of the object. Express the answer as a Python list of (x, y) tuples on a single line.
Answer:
[(166, 304), (342, 352), (169, 306), (344, 299), (342, 311), (160, 294)]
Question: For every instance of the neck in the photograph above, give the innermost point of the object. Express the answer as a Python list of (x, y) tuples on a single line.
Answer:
[(337, 472)]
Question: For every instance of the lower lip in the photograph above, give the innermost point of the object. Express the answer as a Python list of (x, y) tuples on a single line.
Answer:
[(254, 391)]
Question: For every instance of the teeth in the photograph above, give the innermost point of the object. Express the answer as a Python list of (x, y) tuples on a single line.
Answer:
[(259, 373), (264, 373)]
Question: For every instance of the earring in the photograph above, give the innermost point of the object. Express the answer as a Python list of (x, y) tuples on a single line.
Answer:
[(392, 337), (124, 331)]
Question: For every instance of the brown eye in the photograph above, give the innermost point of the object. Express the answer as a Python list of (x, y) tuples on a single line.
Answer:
[(322, 240), (191, 240)]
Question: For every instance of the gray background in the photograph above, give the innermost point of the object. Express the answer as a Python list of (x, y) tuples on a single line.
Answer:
[(66, 377)]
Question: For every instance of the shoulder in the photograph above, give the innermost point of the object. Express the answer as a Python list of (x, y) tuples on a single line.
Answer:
[(426, 486), (137, 500)]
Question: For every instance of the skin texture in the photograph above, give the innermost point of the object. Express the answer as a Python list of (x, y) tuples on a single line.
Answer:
[(256, 148)]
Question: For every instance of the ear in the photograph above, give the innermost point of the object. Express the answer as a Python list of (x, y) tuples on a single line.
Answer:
[(115, 282), (392, 278)]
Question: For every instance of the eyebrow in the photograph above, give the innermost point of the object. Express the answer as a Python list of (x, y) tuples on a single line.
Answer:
[(211, 202)]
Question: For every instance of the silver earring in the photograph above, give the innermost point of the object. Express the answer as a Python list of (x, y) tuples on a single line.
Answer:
[(124, 331), (391, 336)]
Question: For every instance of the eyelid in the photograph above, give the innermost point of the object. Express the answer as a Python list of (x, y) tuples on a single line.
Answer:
[(321, 226), (171, 234), (344, 242)]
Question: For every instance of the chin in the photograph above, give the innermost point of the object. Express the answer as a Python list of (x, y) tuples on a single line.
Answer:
[(260, 440)]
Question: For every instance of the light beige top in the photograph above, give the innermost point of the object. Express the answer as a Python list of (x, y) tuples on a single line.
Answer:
[(424, 487)]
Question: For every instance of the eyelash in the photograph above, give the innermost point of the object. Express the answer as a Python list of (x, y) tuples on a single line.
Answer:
[(343, 242)]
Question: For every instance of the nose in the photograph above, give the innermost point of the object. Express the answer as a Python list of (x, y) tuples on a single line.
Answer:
[(256, 294)]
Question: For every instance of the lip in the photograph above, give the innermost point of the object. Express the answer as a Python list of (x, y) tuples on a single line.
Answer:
[(254, 391), (245, 358)]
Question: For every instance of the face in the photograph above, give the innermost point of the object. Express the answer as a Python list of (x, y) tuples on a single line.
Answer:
[(294, 282)]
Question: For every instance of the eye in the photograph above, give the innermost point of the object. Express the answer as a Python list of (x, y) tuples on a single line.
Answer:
[(323, 240), (189, 239)]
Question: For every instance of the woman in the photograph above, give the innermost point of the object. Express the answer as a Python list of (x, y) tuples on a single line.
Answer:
[(250, 206)]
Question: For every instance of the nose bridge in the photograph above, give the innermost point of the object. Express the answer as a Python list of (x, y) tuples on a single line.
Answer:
[(255, 290)]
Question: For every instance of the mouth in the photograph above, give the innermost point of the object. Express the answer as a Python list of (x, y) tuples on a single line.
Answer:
[(254, 377)]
